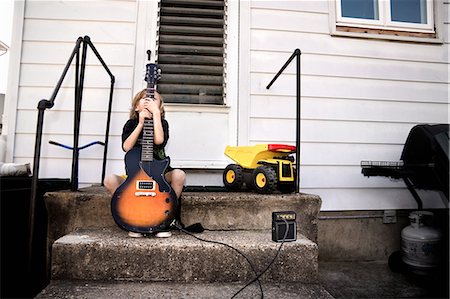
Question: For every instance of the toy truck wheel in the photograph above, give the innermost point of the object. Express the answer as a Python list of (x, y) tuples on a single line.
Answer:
[(264, 179), (233, 177)]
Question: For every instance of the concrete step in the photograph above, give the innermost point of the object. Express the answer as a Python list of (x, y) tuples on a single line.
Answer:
[(109, 254), (90, 207), (151, 290)]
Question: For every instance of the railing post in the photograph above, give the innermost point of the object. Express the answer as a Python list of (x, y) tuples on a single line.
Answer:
[(76, 125), (47, 104), (297, 53), (42, 105), (108, 120)]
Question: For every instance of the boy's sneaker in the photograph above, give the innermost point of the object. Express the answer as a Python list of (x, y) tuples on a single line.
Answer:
[(135, 235), (163, 234)]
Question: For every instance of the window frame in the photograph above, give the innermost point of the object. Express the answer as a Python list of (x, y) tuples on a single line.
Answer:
[(385, 19)]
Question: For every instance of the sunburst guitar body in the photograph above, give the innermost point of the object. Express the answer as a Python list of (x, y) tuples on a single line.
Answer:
[(145, 201)]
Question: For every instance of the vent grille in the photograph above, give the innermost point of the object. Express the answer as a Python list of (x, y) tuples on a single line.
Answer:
[(191, 51)]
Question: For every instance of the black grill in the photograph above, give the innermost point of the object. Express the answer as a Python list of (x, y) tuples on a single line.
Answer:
[(425, 161)]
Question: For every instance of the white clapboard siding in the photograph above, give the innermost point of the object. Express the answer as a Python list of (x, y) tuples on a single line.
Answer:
[(351, 88), (69, 31), (47, 75), (312, 6), (89, 171), (353, 67), (50, 30), (329, 131), (192, 134), (288, 41), (94, 99), (348, 109), (376, 198), (360, 99), (61, 122), (38, 52), (117, 11), (52, 151)]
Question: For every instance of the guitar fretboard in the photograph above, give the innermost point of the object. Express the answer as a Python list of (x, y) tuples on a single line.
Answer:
[(147, 138), (147, 141)]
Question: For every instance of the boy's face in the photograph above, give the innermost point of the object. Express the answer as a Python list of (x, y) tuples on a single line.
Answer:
[(140, 104)]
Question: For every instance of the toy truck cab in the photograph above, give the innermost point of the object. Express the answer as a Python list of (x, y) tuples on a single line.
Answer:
[(262, 167)]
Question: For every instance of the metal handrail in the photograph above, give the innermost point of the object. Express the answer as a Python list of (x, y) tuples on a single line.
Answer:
[(48, 104), (297, 53)]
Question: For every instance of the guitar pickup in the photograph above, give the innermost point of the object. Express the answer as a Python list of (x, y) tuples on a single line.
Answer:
[(145, 185), (145, 188)]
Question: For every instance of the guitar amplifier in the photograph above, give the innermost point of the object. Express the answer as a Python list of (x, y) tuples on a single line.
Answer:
[(282, 221)]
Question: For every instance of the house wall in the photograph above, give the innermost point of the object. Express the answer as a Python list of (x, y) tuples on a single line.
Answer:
[(122, 32), (47, 33), (360, 97)]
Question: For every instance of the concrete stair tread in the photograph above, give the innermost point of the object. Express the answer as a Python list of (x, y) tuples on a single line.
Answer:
[(90, 207), (109, 254), (123, 289), (117, 237)]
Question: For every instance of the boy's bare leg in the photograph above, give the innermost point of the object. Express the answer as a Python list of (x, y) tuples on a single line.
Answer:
[(112, 182), (176, 178)]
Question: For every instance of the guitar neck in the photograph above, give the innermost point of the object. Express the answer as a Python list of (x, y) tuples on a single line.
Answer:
[(148, 131), (147, 141)]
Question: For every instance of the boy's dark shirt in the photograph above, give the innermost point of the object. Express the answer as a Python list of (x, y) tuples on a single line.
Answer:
[(158, 150)]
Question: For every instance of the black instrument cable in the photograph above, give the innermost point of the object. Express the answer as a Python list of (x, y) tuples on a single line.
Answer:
[(242, 254), (268, 266)]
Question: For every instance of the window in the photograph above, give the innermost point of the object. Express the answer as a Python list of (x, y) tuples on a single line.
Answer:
[(191, 51), (393, 15)]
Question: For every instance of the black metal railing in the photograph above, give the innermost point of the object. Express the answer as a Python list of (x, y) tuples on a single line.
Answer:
[(297, 53), (48, 104)]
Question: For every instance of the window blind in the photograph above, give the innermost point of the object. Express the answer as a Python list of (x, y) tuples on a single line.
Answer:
[(191, 51)]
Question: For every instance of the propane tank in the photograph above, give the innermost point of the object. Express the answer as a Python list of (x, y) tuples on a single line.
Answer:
[(421, 244)]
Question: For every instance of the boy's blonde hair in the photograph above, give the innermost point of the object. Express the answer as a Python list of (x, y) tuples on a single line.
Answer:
[(140, 95)]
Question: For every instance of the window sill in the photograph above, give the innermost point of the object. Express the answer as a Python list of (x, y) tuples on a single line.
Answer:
[(393, 35), (173, 107)]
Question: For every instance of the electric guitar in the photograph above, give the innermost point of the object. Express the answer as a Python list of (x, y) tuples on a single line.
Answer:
[(145, 202)]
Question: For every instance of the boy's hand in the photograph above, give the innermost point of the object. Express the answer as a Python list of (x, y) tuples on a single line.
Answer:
[(152, 106), (143, 115)]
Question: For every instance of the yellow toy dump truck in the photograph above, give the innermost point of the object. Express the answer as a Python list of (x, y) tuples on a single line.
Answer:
[(262, 167)]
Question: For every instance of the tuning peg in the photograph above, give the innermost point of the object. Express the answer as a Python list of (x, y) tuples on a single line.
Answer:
[(158, 76)]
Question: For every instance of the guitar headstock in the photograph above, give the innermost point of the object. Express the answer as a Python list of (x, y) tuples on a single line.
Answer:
[(152, 72)]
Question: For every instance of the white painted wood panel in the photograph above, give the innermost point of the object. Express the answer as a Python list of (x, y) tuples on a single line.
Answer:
[(118, 11), (89, 172), (360, 98), (318, 6), (61, 122), (69, 31), (344, 154), (38, 75), (94, 99), (351, 88), (347, 154), (374, 198), (113, 54), (342, 109), (352, 67), (52, 151), (287, 42), (197, 139), (346, 177), (330, 131), (289, 21)]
